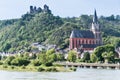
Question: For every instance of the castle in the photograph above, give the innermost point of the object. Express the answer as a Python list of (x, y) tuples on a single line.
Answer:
[(34, 9), (86, 39)]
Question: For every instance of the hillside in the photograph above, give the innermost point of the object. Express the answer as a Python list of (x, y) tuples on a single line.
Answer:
[(40, 25)]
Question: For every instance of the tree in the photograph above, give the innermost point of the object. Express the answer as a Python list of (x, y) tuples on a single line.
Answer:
[(98, 53), (26, 55), (72, 56), (20, 62), (93, 58), (50, 54), (36, 62), (43, 59), (60, 57), (9, 60), (51, 51), (108, 56), (53, 57), (111, 18), (86, 20), (6, 46), (0, 56), (117, 43), (86, 57)]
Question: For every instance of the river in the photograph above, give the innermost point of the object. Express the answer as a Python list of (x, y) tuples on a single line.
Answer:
[(80, 74)]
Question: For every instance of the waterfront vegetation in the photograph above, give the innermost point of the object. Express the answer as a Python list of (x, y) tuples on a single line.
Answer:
[(34, 62), (44, 61), (102, 54)]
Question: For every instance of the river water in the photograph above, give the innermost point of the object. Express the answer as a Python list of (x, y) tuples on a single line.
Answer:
[(80, 74)]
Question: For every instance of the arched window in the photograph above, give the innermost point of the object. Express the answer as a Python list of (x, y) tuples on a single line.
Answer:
[(89, 41), (86, 41), (79, 41), (93, 41)]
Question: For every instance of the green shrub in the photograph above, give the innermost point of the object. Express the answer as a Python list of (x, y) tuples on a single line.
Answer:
[(14, 62), (40, 69), (20, 62), (78, 60), (36, 63), (48, 64), (117, 60), (24, 62), (12, 67), (58, 65), (1, 62), (52, 69), (23, 67), (9, 60), (5, 66)]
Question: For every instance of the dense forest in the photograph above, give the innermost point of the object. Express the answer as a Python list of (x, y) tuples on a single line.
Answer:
[(40, 25)]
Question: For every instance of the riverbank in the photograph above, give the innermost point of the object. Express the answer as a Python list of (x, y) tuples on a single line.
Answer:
[(42, 68)]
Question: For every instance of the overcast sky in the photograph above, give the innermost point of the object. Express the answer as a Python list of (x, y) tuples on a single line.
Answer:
[(64, 8)]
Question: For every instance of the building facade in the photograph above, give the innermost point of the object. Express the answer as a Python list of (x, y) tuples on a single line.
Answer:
[(86, 39)]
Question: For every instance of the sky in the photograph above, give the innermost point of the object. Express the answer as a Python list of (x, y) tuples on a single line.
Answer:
[(10, 9)]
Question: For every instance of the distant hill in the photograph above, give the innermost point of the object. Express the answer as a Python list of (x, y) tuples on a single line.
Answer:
[(40, 25)]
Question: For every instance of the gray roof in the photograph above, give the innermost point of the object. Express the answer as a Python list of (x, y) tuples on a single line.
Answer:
[(88, 45), (82, 34)]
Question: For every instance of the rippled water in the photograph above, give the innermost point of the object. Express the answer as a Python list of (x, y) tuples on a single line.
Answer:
[(80, 74)]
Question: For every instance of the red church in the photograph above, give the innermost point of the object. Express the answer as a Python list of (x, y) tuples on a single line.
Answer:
[(86, 39)]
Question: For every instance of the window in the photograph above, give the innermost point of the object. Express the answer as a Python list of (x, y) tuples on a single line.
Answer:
[(86, 41), (89, 41)]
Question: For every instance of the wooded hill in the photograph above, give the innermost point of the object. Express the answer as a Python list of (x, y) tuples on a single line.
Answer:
[(40, 25)]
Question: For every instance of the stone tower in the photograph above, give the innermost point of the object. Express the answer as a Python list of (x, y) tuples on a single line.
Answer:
[(96, 30)]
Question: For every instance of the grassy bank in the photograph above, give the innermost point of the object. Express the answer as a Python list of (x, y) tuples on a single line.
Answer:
[(32, 68), (42, 62)]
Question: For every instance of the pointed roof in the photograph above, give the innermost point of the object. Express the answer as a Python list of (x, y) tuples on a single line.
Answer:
[(72, 34), (95, 19)]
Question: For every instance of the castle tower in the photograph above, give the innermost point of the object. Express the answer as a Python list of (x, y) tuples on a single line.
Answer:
[(96, 29)]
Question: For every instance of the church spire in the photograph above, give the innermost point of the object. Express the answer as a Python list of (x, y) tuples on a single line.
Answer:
[(96, 29), (95, 19)]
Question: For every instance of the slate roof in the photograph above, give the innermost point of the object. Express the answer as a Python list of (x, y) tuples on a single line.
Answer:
[(82, 34), (88, 45)]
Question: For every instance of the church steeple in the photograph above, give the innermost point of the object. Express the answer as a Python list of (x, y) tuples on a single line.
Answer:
[(95, 25), (96, 29), (95, 19)]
